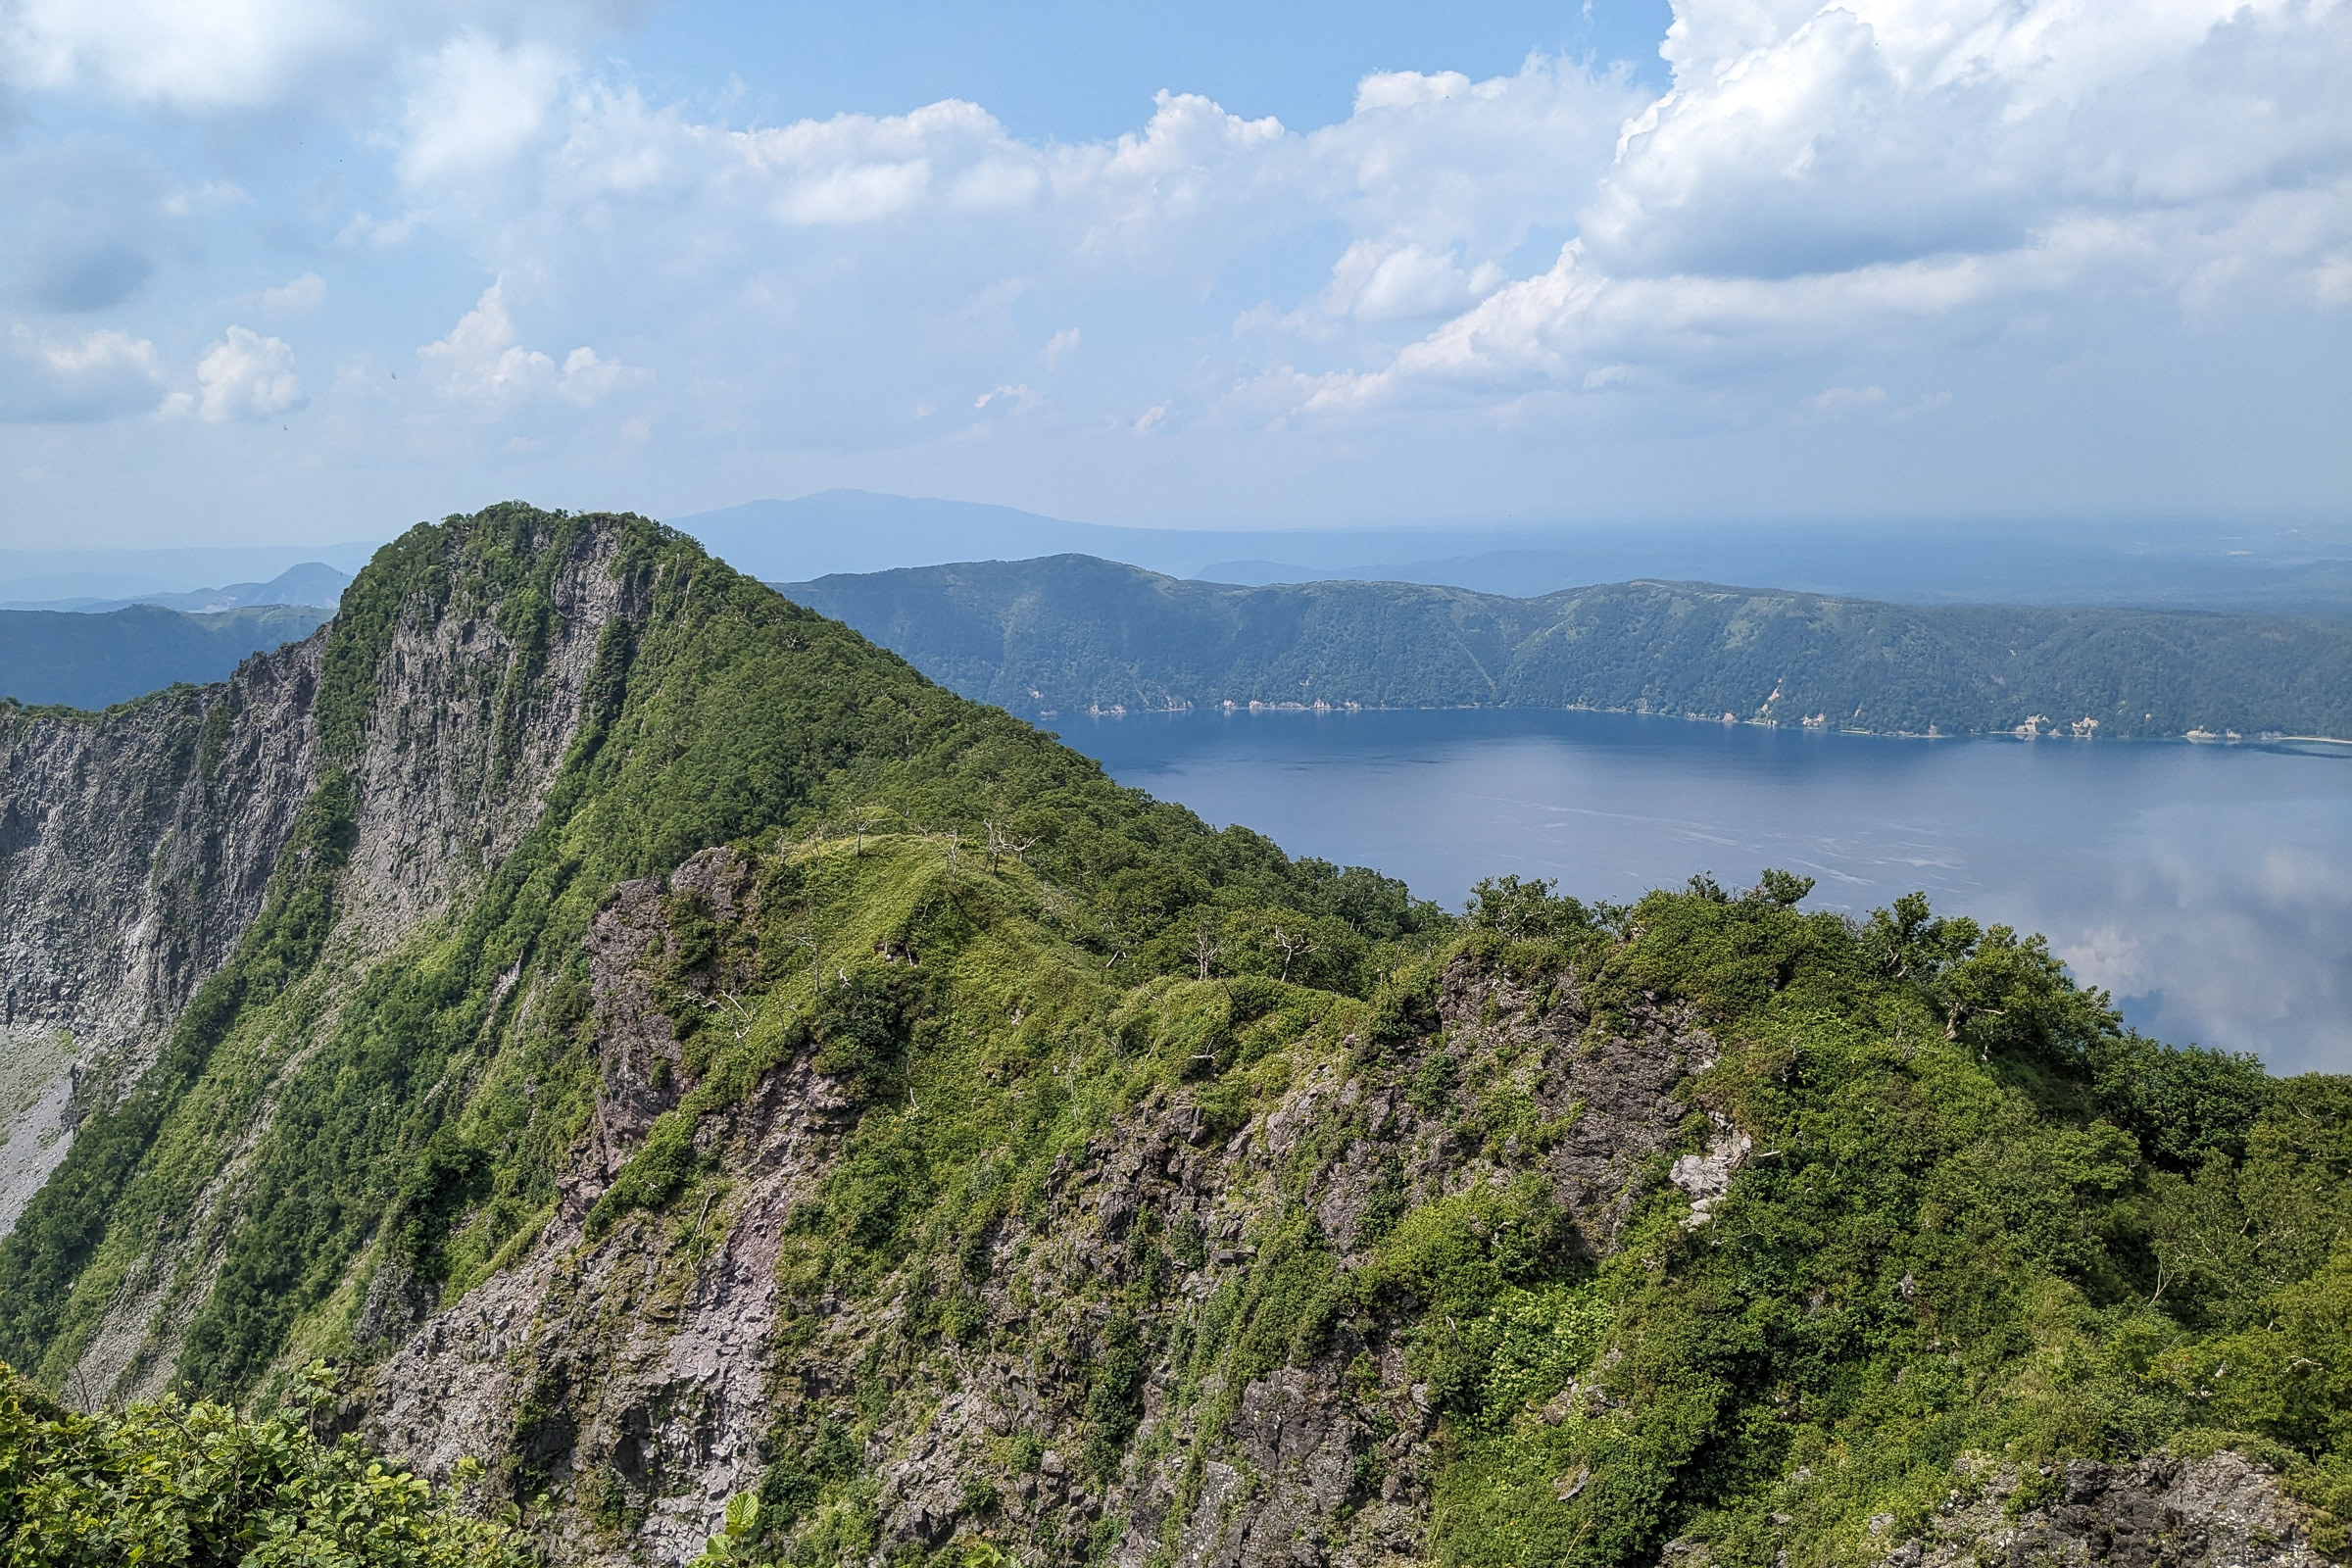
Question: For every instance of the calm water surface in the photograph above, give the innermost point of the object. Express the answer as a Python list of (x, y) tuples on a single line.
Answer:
[(2209, 888)]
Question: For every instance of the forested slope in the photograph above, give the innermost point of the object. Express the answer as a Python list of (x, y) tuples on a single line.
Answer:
[(91, 660), (1070, 633), (725, 1083)]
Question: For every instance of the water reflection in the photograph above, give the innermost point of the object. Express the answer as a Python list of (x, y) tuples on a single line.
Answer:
[(2209, 888)]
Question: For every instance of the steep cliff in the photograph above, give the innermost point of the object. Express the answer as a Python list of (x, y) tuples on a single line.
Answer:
[(134, 849), (646, 1039)]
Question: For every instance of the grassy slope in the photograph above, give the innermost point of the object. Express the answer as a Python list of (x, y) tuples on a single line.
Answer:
[(1987, 1219), (1983, 1219), (1075, 631), (78, 660)]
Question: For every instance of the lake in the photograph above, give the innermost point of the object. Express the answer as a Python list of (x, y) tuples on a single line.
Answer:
[(2207, 887)]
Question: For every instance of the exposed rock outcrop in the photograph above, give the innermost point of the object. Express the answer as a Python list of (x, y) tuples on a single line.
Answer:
[(646, 1376), (2219, 1511), (137, 846)]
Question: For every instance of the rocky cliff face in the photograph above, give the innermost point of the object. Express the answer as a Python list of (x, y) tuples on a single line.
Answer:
[(2218, 1511), (137, 846), (650, 1375)]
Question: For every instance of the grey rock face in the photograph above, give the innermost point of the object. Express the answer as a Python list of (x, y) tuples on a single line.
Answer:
[(135, 847), (642, 1377), (2221, 1511)]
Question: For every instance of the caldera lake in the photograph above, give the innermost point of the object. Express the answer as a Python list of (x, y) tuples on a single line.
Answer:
[(2207, 887)]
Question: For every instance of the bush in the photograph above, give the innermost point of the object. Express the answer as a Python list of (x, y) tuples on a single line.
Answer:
[(196, 1485)]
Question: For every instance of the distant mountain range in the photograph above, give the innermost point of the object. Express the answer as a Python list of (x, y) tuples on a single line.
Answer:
[(313, 583), (83, 660), (76, 579), (2269, 569), (1071, 633)]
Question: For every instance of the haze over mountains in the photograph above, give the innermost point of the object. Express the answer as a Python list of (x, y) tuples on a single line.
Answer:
[(313, 583), (2287, 570), (2282, 568), (95, 660), (77, 578), (91, 652)]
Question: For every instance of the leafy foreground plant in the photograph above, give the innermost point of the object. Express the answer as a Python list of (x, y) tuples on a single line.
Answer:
[(172, 1483)]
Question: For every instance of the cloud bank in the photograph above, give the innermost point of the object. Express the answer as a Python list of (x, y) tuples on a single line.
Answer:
[(2020, 245)]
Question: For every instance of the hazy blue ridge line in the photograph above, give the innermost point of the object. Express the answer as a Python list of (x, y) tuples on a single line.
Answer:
[(78, 660), (1069, 633)]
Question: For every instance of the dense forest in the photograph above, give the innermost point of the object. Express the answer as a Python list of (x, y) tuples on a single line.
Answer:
[(1070, 633), (844, 1125), (80, 659)]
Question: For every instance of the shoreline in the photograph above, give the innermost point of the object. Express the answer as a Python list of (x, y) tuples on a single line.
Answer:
[(1233, 710)]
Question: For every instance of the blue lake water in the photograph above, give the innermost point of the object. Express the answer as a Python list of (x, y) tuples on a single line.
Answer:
[(2207, 887)]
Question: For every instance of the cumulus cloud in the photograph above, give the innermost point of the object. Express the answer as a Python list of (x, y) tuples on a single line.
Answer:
[(478, 104), (94, 375), (247, 376), (1376, 282), (1918, 196), (247, 54), (1873, 175), (1901, 177), (296, 296), (483, 365)]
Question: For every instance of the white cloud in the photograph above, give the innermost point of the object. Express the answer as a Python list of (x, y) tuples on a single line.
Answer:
[(245, 376), (247, 54), (296, 297), (1899, 176), (480, 103), (95, 375), (1376, 282), (483, 365), (2042, 205), (1013, 399), (1845, 399)]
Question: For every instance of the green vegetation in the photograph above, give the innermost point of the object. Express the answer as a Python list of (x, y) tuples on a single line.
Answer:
[(197, 1487), (1980, 1219), (724, 713), (91, 660), (1052, 1021), (1948, 1242), (1068, 633)]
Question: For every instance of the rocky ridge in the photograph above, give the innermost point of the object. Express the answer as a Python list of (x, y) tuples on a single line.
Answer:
[(139, 845), (644, 1376)]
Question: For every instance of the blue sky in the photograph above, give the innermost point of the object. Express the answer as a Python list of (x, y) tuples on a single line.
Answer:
[(308, 270)]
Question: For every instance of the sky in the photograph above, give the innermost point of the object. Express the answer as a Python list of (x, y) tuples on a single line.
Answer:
[(313, 269)]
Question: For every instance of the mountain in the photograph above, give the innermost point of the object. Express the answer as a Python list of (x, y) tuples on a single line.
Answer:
[(55, 579), (90, 660), (2274, 570), (313, 583), (1071, 633), (1997, 570), (619, 1026)]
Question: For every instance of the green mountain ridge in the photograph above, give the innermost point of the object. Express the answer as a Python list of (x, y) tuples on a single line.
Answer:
[(1073, 634), (93, 660), (729, 1085)]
